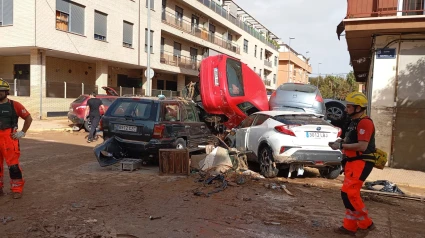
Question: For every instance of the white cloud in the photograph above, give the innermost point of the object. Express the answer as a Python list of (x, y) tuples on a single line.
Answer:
[(313, 25)]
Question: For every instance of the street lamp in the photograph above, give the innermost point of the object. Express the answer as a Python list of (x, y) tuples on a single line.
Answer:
[(289, 65), (318, 69)]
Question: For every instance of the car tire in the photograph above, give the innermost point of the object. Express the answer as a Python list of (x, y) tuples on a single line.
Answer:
[(335, 112), (87, 125), (267, 166), (331, 173), (180, 144)]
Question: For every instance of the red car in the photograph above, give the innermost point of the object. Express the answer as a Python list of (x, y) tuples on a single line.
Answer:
[(78, 107), (230, 90)]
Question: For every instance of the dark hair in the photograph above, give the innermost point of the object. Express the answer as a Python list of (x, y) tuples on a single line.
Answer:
[(94, 94)]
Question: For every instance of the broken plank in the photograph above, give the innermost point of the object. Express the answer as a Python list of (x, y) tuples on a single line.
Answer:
[(394, 195)]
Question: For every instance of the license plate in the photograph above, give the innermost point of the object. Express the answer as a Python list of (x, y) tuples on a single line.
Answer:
[(316, 134), (126, 128)]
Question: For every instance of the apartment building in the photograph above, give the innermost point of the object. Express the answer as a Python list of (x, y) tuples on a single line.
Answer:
[(386, 42), (293, 67), (54, 50)]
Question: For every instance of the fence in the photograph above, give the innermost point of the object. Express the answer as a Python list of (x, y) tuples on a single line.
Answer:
[(167, 93), (19, 87), (68, 90), (180, 61)]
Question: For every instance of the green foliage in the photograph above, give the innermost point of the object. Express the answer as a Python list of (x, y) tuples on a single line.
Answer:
[(335, 86)]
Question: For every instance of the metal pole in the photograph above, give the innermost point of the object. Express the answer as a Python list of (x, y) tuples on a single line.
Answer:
[(64, 90), (14, 88), (82, 88), (41, 84), (148, 78), (289, 65), (120, 91)]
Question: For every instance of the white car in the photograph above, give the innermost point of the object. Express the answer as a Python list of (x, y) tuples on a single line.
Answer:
[(279, 139)]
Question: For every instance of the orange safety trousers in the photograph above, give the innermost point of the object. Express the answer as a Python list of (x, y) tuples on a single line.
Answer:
[(9, 151), (356, 215)]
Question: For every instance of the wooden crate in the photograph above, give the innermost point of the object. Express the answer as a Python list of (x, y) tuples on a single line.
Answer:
[(174, 162)]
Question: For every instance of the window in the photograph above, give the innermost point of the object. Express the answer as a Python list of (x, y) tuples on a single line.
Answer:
[(177, 49), (245, 46), (171, 112), (247, 108), (234, 78), (255, 69), (194, 23), (261, 54), (193, 54), (6, 12), (127, 34), (274, 78), (260, 119), (305, 88), (69, 16), (300, 120), (179, 16), (152, 4), (164, 8), (255, 51), (247, 121), (100, 23), (211, 34), (229, 37), (162, 44), (190, 114), (261, 75), (146, 41), (275, 61)]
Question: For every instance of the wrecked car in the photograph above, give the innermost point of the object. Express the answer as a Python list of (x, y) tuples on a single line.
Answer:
[(230, 90), (137, 127), (283, 139)]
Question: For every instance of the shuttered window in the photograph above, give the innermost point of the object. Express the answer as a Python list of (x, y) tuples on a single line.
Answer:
[(146, 40), (70, 16), (100, 25), (127, 34), (152, 3), (6, 12)]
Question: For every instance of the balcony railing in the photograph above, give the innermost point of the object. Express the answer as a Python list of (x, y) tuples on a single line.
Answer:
[(194, 29), (180, 61), (268, 63), (267, 82), (19, 87), (243, 25), (380, 8)]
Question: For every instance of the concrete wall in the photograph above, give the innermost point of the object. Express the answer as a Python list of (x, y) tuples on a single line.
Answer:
[(7, 65), (22, 32)]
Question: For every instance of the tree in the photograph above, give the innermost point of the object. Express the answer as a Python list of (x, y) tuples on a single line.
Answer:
[(335, 87)]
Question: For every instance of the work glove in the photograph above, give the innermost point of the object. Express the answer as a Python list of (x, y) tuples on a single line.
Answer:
[(18, 135), (335, 145)]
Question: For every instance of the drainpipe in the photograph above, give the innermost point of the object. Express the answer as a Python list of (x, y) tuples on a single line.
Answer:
[(391, 162), (41, 83)]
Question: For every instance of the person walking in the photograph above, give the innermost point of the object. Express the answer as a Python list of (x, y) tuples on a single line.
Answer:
[(357, 147), (93, 113), (9, 139)]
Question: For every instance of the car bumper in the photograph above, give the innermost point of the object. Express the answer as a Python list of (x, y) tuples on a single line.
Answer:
[(312, 158), (75, 119), (142, 148)]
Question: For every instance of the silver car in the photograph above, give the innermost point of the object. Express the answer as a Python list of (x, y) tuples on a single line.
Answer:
[(297, 97)]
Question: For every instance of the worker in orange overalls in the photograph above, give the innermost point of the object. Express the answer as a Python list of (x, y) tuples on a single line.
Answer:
[(357, 146), (9, 139)]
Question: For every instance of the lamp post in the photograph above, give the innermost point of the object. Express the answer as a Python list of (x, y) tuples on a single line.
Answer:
[(289, 64), (318, 69)]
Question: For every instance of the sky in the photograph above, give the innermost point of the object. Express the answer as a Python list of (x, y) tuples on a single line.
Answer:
[(313, 25)]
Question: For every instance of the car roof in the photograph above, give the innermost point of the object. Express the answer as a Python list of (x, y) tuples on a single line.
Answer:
[(281, 113), (169, 99)]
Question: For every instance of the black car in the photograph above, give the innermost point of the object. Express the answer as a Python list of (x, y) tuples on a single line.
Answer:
[(137, 127)]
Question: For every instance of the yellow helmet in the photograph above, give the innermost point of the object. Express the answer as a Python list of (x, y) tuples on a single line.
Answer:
[(4, 86), (356, 98)]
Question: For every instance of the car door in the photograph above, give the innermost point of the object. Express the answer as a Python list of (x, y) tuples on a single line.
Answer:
[(242, 131), (256, 132), (193, 127)]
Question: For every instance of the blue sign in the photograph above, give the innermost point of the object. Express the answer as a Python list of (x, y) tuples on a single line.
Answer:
[(385, 54)]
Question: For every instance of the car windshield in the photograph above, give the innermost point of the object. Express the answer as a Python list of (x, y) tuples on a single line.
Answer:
[(80, 99), (234, 78), (135, 109), (301, 120), (305, 88)]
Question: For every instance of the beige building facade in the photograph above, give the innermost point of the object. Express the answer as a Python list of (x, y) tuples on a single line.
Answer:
[(293, 67), (55, 50)]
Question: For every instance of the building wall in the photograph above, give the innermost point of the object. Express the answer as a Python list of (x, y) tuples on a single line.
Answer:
[(22, 32), (7, 65), (302, 69)]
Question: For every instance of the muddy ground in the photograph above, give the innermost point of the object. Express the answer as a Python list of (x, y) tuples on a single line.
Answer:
[(67, 194)]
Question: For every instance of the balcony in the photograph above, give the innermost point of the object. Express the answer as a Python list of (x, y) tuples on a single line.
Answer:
[(267, 82), (225, 14), (195, 30), (268, 63), (180, 61), (384, 8)]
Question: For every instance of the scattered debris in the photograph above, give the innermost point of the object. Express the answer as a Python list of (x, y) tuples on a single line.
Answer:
[(272, 223), (387, 186), (154, 218), (90, 220), (6, 220), (394, 195), (278, 187), (286, 190)]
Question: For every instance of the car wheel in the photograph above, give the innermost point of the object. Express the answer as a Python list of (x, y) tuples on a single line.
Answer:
[(267, 166), (87, 125), (331, 172), (180, 144), (335, 111)]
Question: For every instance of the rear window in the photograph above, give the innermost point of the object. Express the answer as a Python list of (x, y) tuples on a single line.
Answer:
[(305, 88), (107, 101), (301, 120), (247, 108), (142, 110), (80, 99), (234, 78)]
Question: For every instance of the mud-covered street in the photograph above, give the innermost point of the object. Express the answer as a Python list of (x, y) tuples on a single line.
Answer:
[(67, 194)]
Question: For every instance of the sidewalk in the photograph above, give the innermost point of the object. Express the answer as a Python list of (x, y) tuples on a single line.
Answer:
[(401, 177)]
